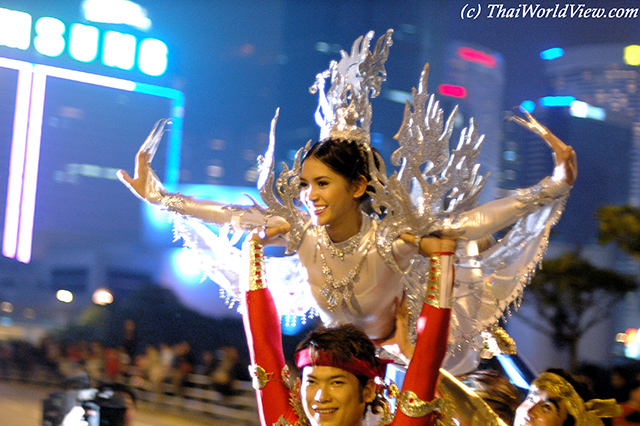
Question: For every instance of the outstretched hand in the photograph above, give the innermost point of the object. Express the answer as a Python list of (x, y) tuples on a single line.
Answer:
[(430, 244), (143, 172), (267, 234), (564, 156)]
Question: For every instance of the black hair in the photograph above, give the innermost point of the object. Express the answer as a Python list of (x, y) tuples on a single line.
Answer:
[(345, 342), (349, 159)]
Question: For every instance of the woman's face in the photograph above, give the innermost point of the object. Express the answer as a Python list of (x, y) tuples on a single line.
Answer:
[(331, 200)]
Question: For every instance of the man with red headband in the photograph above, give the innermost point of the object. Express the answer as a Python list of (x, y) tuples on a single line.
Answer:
[(339, 364)]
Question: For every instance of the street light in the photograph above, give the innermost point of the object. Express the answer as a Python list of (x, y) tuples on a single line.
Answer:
[(102, 297), (64, 296)]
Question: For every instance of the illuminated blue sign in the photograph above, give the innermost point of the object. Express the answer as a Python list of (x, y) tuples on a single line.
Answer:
[(84, 43)]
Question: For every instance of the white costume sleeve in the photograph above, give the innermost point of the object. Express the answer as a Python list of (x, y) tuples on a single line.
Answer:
[(497, 215), (239, 217)]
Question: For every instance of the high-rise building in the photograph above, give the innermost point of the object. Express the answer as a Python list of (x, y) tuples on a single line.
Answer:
[(474, 79), (604, 76)]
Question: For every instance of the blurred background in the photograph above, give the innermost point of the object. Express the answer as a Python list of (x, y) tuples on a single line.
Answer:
[(83, 82)]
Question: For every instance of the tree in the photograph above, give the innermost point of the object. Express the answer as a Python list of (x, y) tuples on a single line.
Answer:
[(571, 296), (620, 225)]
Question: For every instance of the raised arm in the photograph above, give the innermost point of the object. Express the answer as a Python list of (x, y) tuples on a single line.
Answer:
[(146, 186), (262, 328), (494, 216), (417, 399), (145, 183), (564, 156)]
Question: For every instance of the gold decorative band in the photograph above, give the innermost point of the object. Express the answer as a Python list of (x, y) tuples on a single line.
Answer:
[(433, 281), (440, 280), (257, 277), (414, 407)]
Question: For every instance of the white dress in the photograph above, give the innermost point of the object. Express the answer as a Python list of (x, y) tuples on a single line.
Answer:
[(486, 282)]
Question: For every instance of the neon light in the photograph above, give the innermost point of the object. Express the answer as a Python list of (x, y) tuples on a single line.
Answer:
[(119, 50), (49, 38), (83, 42), (15, 29), (83, 77), (584, 110), (528, 106), (632, 55), (551, 54), (556, 101), (477, 56), (172, 169), (152, 58), (25, 148), (509, 156), (453, 91), (399, 96), (116, 12), (32, 159), (16, 162)]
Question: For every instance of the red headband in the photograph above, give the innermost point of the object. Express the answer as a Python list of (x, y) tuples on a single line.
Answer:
[(355, 366)]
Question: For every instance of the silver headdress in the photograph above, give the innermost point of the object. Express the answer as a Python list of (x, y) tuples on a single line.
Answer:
[(344, 111)]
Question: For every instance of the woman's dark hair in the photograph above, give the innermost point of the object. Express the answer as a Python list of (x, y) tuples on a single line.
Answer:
[(345, 342), (347, 158)]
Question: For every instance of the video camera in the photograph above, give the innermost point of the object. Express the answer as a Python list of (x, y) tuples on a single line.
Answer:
[(103, 406)]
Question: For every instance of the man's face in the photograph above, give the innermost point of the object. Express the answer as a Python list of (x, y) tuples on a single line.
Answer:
[(541, 408), (332, 397)]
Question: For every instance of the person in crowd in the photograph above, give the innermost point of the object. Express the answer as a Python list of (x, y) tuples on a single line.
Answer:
[(557, 398), (183, 363), (339, 364), (206, 363), (619, 379), (114, 405), (130, 337), (496, 390), (630, 407), (223, 376)]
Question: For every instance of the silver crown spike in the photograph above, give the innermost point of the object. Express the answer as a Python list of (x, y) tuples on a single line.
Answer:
[(344, 110)]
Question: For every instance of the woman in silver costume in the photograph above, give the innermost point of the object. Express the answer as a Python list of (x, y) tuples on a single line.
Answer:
[(358, 265)]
